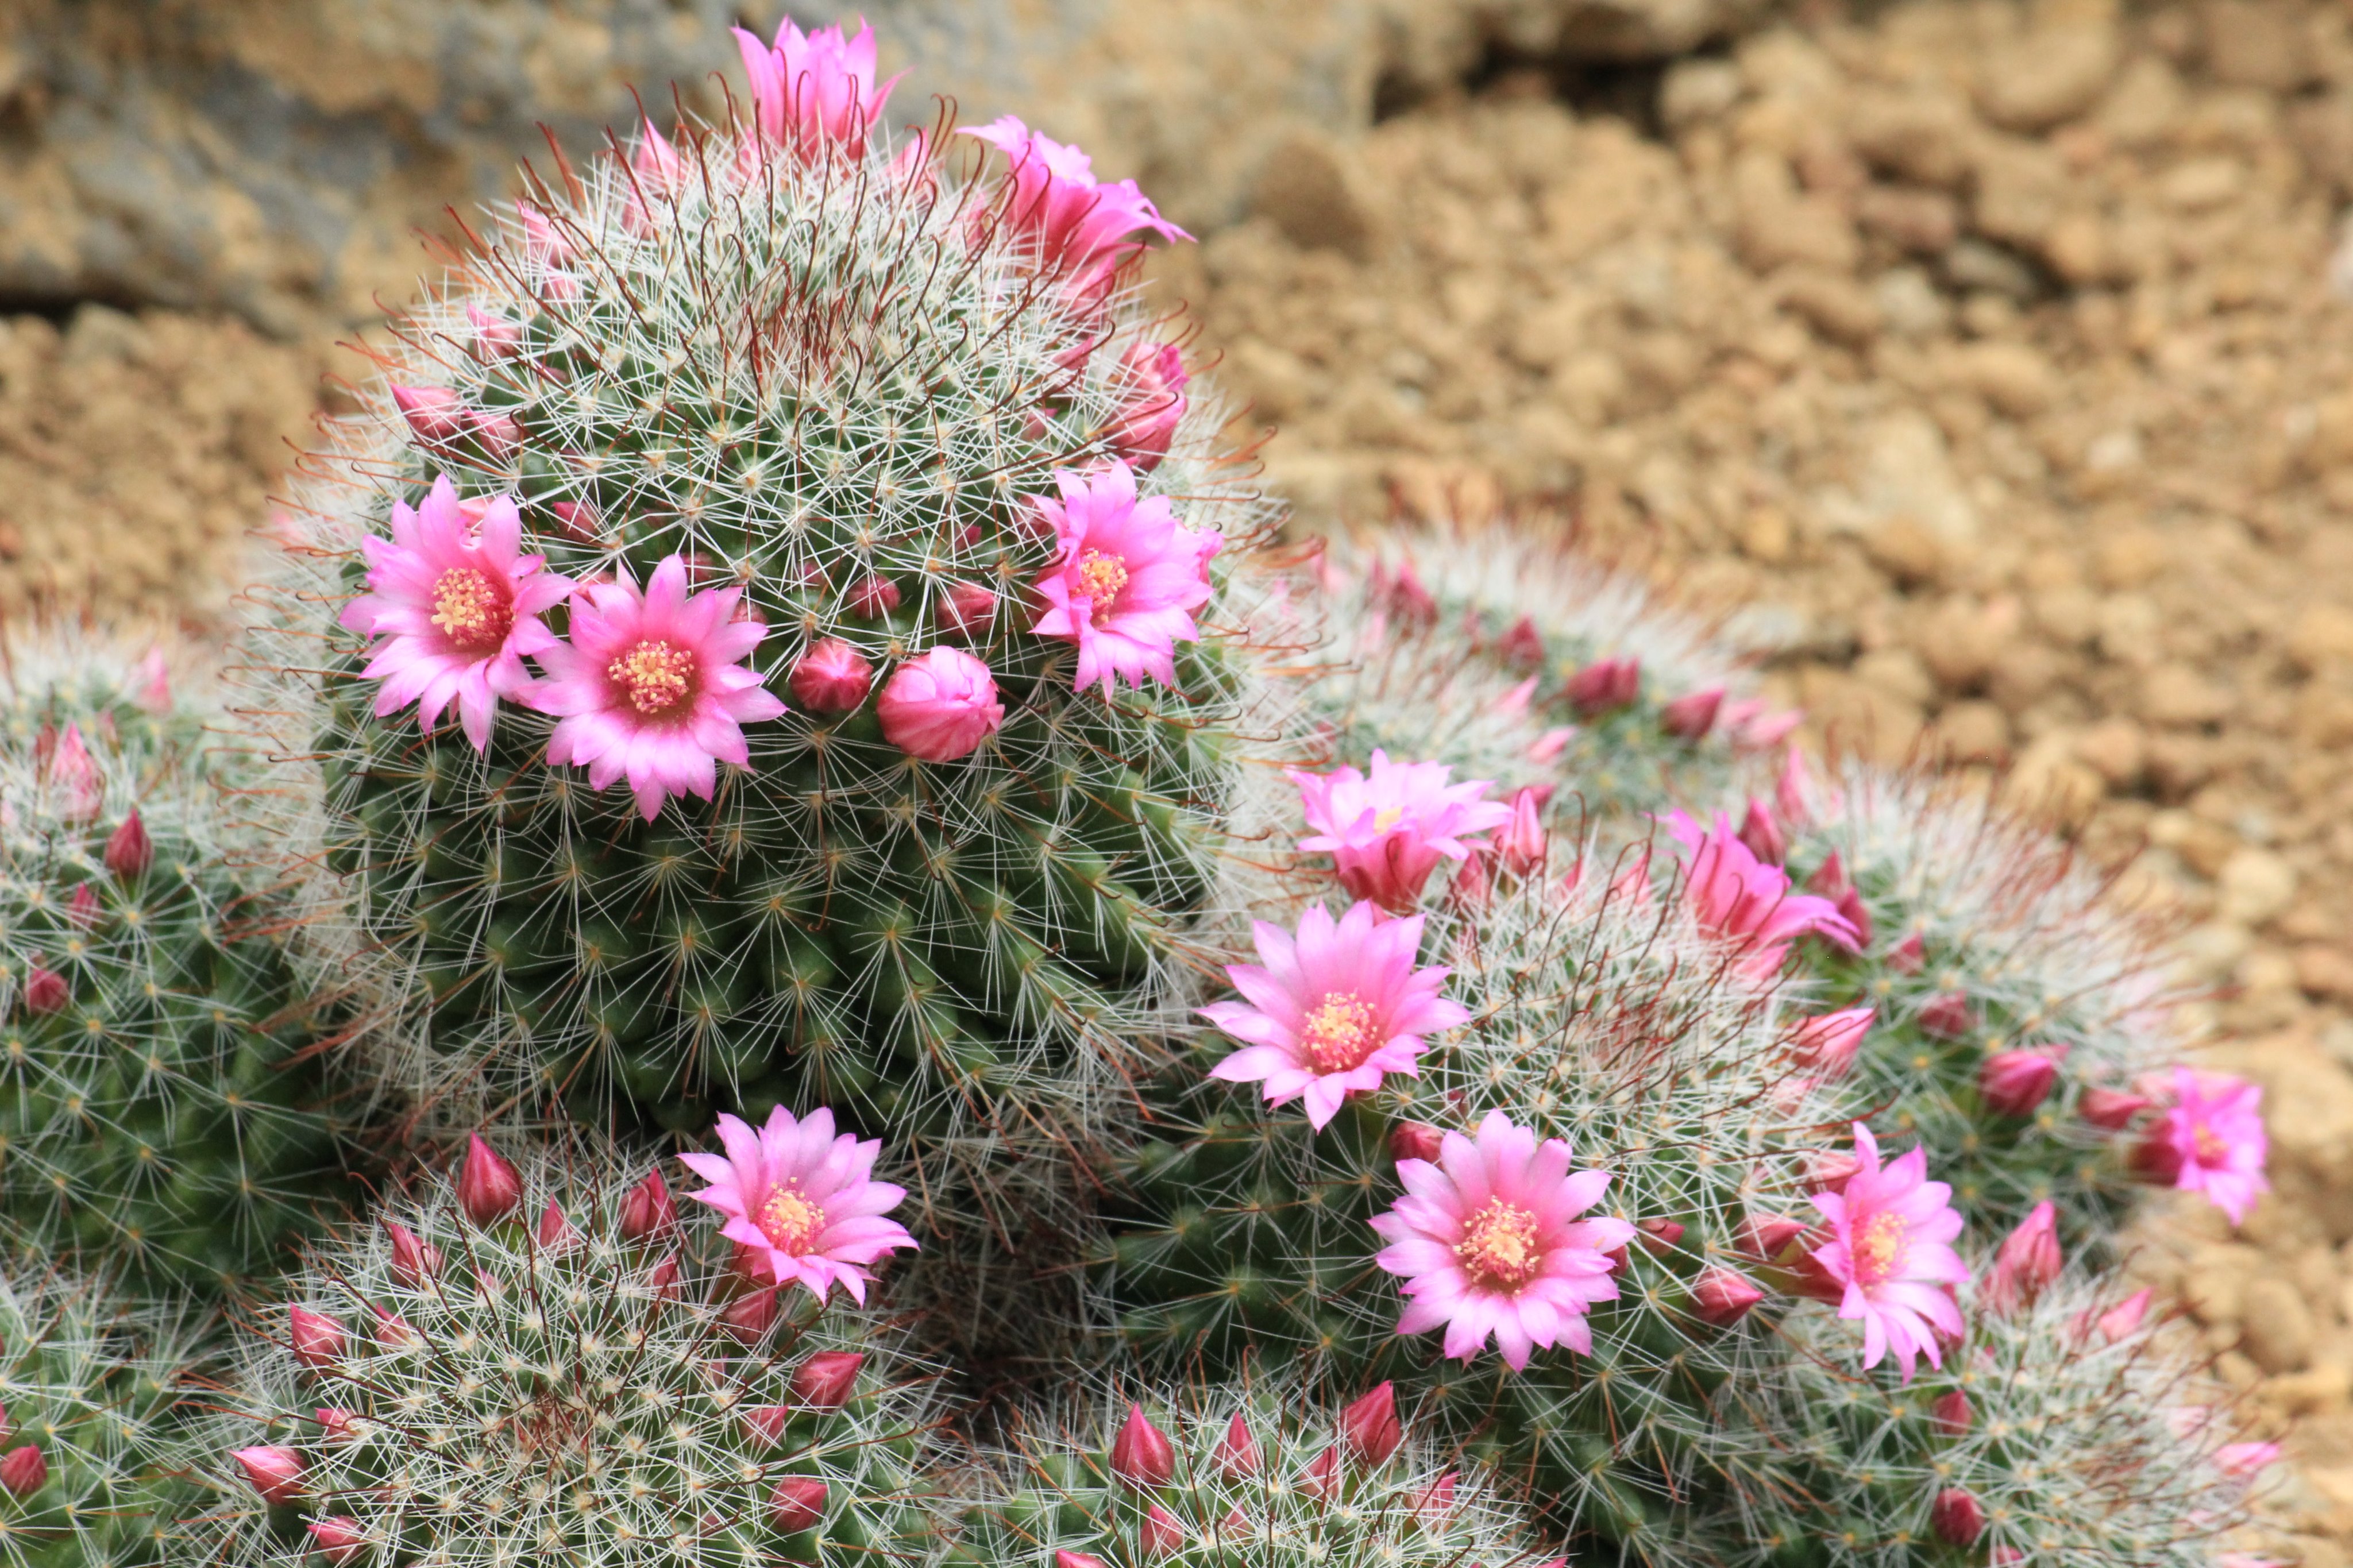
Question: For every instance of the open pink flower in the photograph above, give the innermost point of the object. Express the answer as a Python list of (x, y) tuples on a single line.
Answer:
[(815, 87), (652, 686), (1332, 1010), (1128, 581), (803, 1201), (1742, 899), (1082, 228), (1891, 1250), (457, 610), (1387, 831), (1489, 1243), (2211, 1140)]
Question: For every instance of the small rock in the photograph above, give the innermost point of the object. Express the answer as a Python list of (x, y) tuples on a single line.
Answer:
[(101, 334), (1832, 303), (1697, 91), (2117, 748), (1912, 218), (2048, 783), (2265, 44), (1906, 550), (1310, 189), (2276, 1326), (2321, 634), (2325, 971), (2176, 694), (2202, 183), (1898, 672), (2014, 378), (1801, 229), (1973, 732), (1922, 138), (2255, 886), (1910, 304), (2033, 82), (1974, 265), (2021, 191), (2321, 1391), (2211, 952)]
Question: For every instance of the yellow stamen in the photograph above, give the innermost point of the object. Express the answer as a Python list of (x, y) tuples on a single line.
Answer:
[(1100, 578), (1339, 1033), (471, 611), (1879, 1250), (657, 677), (1499, 1247), (789, 1221)]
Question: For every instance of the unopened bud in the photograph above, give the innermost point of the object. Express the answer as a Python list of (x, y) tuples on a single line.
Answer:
[(1661, 1237), (1762, 834), (2125, 1315), (414, 1259), (1722, 1297), (44, 990), (1951, 1412), (276, 1473), (1523, 845), (751, 1316), (489, 1189), (1436, 1501), (1236, 1457), (1078, 1560), (73, 774), (128, 852), (824, 1380), (1523, 645), (1957, 1517), (872, 597), (2013, 1083), (316, 1339), (1159, 1535), (556, 1232), (797, 1504), (1766, 1236), (1140, 1454), (1322, 1477), (2112, 1109), (1605, 686), (1369, 1426), (832, 678), (1827, 1171), (24, 1471), (82, 908), (966, 609), (1416, 1140), (1829, 878), (432, 412), (2027, 1261), (1827, 1044), (649, 1209), (1946, 1016), (1908, 956), (337, 1538), (1690, 716)]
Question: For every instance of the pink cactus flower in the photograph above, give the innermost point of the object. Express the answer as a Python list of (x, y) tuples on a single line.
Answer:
[(1753, 727), (455, 612), (939, 706), (1890, 1252), (1488, 1241), (338, 1538), (1083, 230), (1332, 1010), (1827, 1044), (1154, 405), (2243, 1461), (653, 687), (802, 1200), (1128, 581), (1742, 899), (2028, 1260), (73, 775), (2211, 1140), (1388, 830), (815, 89)]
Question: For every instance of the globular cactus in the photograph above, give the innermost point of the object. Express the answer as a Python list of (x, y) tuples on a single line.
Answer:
[(148, 694), (1237, 1474), (547, 1362), (162, 1102)]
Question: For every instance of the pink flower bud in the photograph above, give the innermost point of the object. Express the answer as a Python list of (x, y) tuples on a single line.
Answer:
[(1521, 846), (1951, 1412), (1768, 1235), (872, 597), (1793, 792), (414, 1260), (24, 1471), (73, 774), (1661, 1237), (392, 1330), (44, 990), (1851, 908), (1140, 1454), (2125, 1315), (1908, 956), (152, 691), (1523, 645), (579, 520), (316, 1339), (1322, 1477), (797, 1504), (276, 1473), (1829, 878), (1413, 1141), (663, 1281), (1722, 1297), (2027, 1261), (128, 852), (751, 1316), (1473, 885), (1957, 1517), (966, 609), (2155, 1159), (939, 706), (1604, 686), (766, 1423), (649, 1209), (1690, 716), (1762, 834), (2243, 1461), (1154, 407), (2012, 1083), (489, 1189), (824, 1380), (337, 1538), (2112, 1109), (1946, 1016), (1078, 1560), (831, 677), (496, 335), (1236, 1457), (432, 412), (1827, 1171), (1408, 600), (500, 434), (82, 908), (1433, 1502), (556, 1232), (1159, 1535), (1551, 743), (337, 1423), (1369, 1426)]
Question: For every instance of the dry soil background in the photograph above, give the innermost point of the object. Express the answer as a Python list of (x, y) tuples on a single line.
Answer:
[(2007, 348)]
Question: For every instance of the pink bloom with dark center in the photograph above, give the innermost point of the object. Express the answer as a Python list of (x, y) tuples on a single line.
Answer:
[(2210, 1141), (939, 706), (815, 88), (1488, 1242), (1128, 582), (802, 1200), (1084, 229), (1890, 1251), (1330, 1011), (1387, 831), (1747, 902), (457, 608), (1154, 405), (653, 687)]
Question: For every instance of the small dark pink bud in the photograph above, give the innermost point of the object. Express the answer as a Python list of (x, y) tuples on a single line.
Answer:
[(2112, 1107), (1369, 1426), (1605, 686), (392, 1330), (1763, 834), (414, 1259), (1159, 1535), (1322, 1477), (1661, 1237), (82, 908), (2006, 1557), (1523, 645), (766, 1423), (1155, 404), (1768, 1235), (832, 678), (129, 852), (649, 1209), (1236, 1457), (316, 1339), (274, 1472), (1410, 601), (1436, 1501), (2125, 1315), (1957, 1517), (579, 520), (1414, 1140), (2013, 1083), (432, 412), (1078, 1560), (1827, 1044), (663, 1281), (1473, 884), (1946, 1016), (556, 1232), (1829, 878), (751, 1316), (337, 1538), (1690, 716), (966, 609), (488, 1187), (1521, 846), (336, 1423), (1951, 1412), (797, 1504), (2027, 1261), (824, 1380), (500, 434), (2155, 1160), (1908, 956), (25, 1470), (497, 336), (1852, 909), (870, 597), (1722, 1297), (1140, 1454), (44, 990)]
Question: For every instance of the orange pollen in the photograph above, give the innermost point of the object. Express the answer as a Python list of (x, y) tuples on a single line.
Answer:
[(1880, 1248), (657, 675), (1498, 1249), (789, 1221), (1389, 816), (2212, 1150), (1100, 577), (1339, 1033), (471, 611)]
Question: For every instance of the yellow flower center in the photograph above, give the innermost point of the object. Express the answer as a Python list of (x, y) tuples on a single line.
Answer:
[(1339, 1033), (1879, 1249), (789, 1221), (2210, 1149), (657, 677), (1498, 1249), (471, 611), (1388, 818), (1100, 578)]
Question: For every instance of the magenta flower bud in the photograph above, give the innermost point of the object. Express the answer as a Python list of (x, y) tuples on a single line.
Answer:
[(1907, 957), (24, 1471), (497, 336), (751, 1316), (579, 520), (1690, 716), (44, 990), (489, 1189), (73, 774), (649, 1209), (2013, 1083), (872, 597), (1436, 1501), (797, 1504), (82, 908), (152, 692), (129, 852), (1763, 834), (967, 610), (1078, 1560), (1723, 1296), (316, 1339), (337, 1538), (1827, 1043), (939, 706), (1829, 878), (824, 1380), (663, 1281), (1523, 645), (556, 1232), (1768, 1235), (274, 1472), (1473, 885), (2157, 1159), (1957, 1517), (1413, 1141), (1661, 1237), (1369, 1426), (1521, 846), (392, 1330), (337, 1423), (1236, 1457), (1140, 1454), (2112, 1109), (1827, 1171), (766, 1423), (1408, 601), (831, 677), (2242, 1461), (414, 1260), (2027, 1261), (1951, 1412), (500, 434), (432, 412), (1155, 404), (1946, 1016), (2125, 1315), (1605, 686), (1852, 907), (1159, 1535), (1322, 1477)]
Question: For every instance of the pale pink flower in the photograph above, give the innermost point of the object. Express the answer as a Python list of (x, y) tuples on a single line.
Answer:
[(803, 1201), (815, 89), (1747, 902), (653, 687), (456, 607), (1754, 727), (1387, 831), (940, 705), (73, 775), (1330, 1011), (1891, 1250), (1082, 228), (2211, 1140), (1152, 406), (657, 175), (1488, 1242), (2243, 1461), (1128, 581), (152, 688)]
